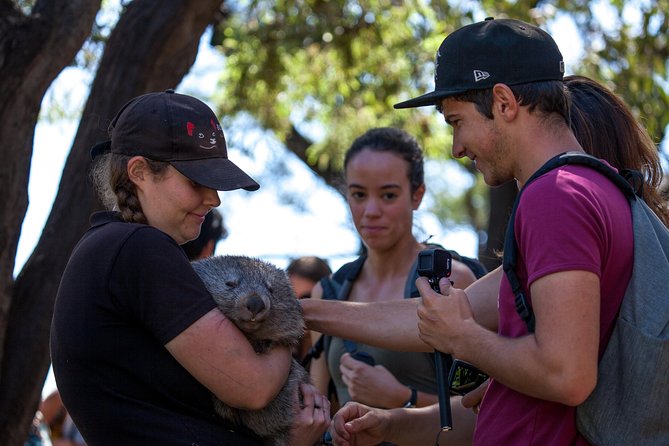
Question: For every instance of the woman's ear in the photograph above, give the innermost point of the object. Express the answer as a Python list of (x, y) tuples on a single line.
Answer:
[(137, 170), (417, 196)]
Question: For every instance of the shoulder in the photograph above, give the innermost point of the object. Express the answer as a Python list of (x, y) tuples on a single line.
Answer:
[(572, 190), (572, 180), (348, 270), (108, 225)]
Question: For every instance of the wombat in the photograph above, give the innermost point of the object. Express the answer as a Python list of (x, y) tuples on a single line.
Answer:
[(258, 297)]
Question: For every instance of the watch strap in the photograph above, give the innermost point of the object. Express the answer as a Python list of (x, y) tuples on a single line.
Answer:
[(413, 399)]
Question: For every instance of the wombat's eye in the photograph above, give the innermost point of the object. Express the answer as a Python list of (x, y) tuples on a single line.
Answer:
[(231, 283)]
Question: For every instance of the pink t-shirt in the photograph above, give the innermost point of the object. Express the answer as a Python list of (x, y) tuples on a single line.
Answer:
[(572, 218)]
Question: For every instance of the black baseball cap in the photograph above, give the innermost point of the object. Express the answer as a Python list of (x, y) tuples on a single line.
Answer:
[(486, 53), (181, 130)]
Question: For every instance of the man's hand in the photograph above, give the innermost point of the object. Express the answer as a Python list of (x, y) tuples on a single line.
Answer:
[(442, 317), (358, 425)]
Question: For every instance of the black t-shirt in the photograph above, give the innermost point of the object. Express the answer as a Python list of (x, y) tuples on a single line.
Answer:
[(127, 290)]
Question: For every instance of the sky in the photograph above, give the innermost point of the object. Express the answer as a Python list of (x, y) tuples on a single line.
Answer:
[(260, 224)]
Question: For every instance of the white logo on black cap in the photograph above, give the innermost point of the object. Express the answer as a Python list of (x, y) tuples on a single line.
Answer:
[(480, 75)]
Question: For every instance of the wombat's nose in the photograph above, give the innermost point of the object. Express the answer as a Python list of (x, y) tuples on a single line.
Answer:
[(256, 306)]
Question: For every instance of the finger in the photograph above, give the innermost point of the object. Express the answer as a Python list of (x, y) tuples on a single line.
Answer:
[(423, 286), (445, 286), (339, 433), (366, 421), (475, 397), (308, 394), (321, 402)]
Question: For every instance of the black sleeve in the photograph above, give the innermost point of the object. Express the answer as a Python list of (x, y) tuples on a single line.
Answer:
[(154, 282)]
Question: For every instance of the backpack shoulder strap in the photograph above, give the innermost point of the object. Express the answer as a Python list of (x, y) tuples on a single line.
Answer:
[(510, 259), (338, 286)]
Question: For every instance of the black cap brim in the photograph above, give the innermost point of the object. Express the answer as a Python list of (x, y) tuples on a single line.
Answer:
[(432, 98), (216, 173)]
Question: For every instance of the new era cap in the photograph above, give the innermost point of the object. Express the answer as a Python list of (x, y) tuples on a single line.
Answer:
[(181, 130), (486, 53)]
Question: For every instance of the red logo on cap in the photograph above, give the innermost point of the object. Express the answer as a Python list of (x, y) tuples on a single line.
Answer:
[(206, 142)]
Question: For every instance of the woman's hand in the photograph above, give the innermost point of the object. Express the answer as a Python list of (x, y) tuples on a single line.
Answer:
[(372, 385), (312, 419), (472, 400)]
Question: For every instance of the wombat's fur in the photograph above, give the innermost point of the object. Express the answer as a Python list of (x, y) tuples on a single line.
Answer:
[(258, 297)]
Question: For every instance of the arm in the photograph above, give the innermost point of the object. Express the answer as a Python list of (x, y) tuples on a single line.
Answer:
[(318, 368), (360, 425), (220, 357), (52, 408), (393, 324), (482, 296), (556, 363), (461, 275)]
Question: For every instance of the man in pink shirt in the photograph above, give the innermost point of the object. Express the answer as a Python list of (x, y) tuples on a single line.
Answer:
[(499, 86)]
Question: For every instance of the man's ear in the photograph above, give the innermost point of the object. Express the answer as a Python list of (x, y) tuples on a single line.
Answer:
[(137, 169), (505, 105)]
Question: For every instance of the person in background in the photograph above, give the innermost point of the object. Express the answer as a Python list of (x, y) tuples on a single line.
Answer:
[(138, 345), (304, 272), (62, 429), (211, 233)]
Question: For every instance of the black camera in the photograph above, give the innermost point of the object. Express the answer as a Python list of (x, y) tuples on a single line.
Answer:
[(464, 377), (434, 264)]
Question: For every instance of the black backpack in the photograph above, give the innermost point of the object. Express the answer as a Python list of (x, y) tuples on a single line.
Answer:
[(630, 403)]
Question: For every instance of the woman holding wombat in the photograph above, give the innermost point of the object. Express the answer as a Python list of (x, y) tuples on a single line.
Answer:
[(138, 345)]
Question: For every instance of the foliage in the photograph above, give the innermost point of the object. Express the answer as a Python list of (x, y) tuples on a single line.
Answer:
[(629, 52), (331, 69)]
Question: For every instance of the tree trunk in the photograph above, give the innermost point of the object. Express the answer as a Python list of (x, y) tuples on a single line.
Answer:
[(33, 50), (152, 47)]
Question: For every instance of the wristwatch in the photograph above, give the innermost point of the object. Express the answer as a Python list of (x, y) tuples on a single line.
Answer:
[(411, 402)]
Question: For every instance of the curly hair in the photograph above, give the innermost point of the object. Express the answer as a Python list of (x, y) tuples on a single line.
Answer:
[(397, 141)]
